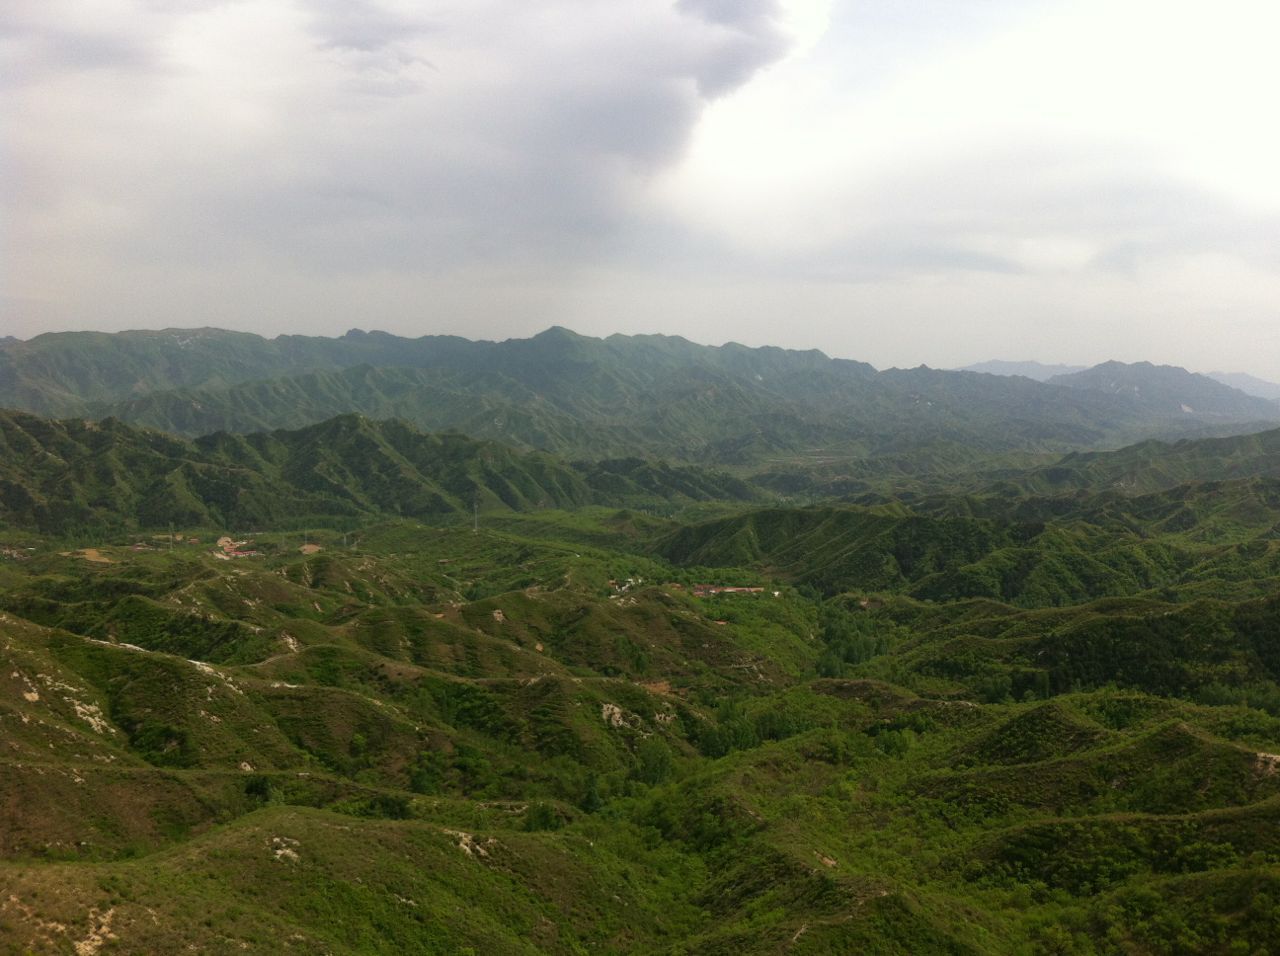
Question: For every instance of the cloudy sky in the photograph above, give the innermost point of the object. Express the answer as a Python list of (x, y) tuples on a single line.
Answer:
[(900, 181)]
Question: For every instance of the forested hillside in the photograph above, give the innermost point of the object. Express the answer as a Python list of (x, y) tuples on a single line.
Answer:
[(286, 682), (378, 745), (76, 477), (762, 409)]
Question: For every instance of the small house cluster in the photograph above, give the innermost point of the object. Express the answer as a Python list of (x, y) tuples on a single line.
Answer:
[(228, 549)]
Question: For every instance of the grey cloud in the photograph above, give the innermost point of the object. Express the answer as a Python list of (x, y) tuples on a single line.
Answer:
[(748, 15), (491, 161), (39, 51), (499, 132), (364, 25), (751, 38), (89, 51), (736, 62)]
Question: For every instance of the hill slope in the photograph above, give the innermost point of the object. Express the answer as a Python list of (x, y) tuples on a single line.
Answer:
[(1154, 465)]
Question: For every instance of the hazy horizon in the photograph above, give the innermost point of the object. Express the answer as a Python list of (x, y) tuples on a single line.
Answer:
[(713, 344), (903, 184)]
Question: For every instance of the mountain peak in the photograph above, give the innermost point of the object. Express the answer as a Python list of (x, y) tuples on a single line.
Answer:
[(558, 333), (1169, 390)]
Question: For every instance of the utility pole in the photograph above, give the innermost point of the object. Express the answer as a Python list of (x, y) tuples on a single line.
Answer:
[(170, 537), (475, 514)]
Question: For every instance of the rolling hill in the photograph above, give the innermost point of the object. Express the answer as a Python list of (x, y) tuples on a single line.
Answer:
[(1027, 705), (61, 477), (429, 740), (1155, 466)]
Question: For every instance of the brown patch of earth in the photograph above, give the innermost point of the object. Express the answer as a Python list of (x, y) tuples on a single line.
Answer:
[(89, 554)]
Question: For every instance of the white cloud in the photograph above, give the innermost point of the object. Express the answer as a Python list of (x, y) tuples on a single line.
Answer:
[(1079, 97), (326, 137), (895, 181)]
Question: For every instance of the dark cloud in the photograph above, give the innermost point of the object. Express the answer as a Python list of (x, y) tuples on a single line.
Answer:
[(750, 16), (353, 135)]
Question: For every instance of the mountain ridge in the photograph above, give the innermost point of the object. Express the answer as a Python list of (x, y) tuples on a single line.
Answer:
[(68, 476), (1168, 389), (583, 397)]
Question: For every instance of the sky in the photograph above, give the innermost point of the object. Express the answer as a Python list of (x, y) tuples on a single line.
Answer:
[(897, 181)]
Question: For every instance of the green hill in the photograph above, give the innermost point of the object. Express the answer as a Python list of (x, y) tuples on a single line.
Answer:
[(1154, 465), (547, 738), (63, 477), (983, 705), (583, 397)]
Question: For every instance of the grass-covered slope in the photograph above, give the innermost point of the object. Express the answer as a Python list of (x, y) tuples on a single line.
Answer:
[(543, 738), (1181, 544), (1155, 466), (993, 722)]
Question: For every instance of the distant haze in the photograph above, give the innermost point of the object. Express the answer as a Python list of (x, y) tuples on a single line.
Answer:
[(902, 183), (1035, 370), (1248, 384)]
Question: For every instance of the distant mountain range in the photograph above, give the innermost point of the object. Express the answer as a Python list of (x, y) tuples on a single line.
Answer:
[(1168, 390), (1248, 384), (588, 398)]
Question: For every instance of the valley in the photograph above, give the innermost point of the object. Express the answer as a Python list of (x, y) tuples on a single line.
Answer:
[(357, 687)]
